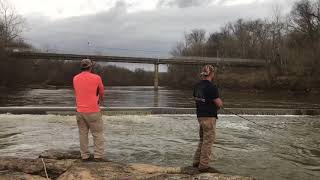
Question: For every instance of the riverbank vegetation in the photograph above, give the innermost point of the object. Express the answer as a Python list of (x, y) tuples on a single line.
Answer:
[(290, 44), (50, 73)]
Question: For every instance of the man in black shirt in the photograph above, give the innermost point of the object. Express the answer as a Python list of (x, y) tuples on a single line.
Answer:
[(207, 100)]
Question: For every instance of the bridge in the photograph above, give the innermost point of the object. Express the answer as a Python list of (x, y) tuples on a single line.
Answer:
[(142, 60)]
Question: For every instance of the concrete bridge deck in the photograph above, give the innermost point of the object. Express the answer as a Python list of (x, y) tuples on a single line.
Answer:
[(143, 60), (257, 63)]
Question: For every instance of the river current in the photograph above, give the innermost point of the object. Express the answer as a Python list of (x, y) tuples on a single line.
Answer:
[(291, 151)]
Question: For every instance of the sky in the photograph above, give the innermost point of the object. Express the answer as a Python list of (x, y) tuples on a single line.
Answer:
[(149, 28)]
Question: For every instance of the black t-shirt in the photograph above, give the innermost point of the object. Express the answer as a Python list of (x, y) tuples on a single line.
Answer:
[(204, 93)]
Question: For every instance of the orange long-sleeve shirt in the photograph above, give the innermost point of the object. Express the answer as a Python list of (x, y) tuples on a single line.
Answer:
[(88, 88)]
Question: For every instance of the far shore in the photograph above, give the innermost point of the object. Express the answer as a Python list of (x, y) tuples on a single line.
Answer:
[(159, 110), (314, 91)]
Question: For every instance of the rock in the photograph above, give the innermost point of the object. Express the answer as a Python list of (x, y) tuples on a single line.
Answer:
[(60, 154), (9, 175), (29, 166), (214, 176), (35, 166), (65, 165), (112, 171), (149, 169), (92, 170)]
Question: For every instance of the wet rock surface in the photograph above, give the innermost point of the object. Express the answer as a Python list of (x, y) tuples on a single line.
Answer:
[(11, 175), (66, 165)]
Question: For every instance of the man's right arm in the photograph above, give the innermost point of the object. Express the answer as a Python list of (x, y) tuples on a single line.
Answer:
[(73, 84)]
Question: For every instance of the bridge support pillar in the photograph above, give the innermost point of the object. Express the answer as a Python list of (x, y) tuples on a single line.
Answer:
[(156, 77)]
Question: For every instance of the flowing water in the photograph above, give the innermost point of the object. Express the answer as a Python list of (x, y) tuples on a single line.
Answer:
[(147, 97), (242, 148)]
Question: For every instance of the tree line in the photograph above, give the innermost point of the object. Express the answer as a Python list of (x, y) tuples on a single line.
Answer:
[(51, 73), (289, 43)]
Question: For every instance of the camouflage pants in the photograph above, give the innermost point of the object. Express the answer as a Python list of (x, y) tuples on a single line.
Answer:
[(94, 123), (207, 138)]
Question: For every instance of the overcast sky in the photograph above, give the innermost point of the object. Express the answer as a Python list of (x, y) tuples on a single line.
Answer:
[(129, 27)]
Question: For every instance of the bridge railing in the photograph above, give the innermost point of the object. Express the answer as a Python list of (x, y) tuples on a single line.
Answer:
[(183, 60), (156, 61)]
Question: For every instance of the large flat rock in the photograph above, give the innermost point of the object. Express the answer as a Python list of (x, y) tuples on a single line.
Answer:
[(11, 175), (35, 166), (66, 165), (115, 171)]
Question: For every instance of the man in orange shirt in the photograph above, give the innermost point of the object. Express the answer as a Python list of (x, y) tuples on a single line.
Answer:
[(89, 91)]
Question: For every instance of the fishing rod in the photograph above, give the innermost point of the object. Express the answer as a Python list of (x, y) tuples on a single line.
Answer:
[(266, 127)]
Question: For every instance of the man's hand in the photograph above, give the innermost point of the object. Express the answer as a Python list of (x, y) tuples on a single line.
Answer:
[(101, 101), (218, 102)]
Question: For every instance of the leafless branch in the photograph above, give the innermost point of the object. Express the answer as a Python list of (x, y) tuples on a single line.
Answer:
[(11, 22)]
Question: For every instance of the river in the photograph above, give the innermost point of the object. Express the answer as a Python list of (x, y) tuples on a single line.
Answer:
[(147, 97), (289, 152), (242, 148)]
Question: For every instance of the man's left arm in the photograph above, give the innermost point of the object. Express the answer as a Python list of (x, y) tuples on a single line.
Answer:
[(218, 102), (216, 98), (101, 90)]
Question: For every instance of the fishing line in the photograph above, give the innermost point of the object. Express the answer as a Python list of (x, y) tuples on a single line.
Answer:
[(240, 116), (269, 128), (266, 127)]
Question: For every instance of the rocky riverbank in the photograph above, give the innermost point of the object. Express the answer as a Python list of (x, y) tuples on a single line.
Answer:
[(66, 165)]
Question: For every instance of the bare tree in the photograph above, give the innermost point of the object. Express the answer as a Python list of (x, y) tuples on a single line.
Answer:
[(277, 33), (11, 24), (195, 42), (305, 19), (178, 50), (195, 36)]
